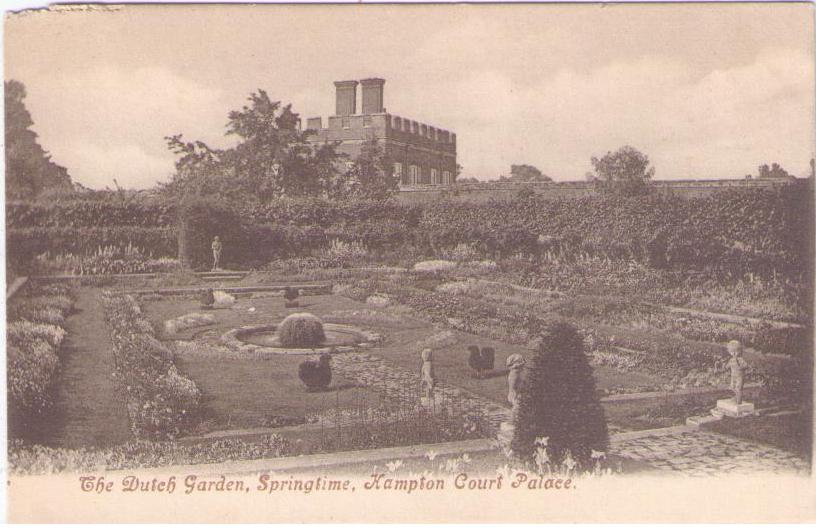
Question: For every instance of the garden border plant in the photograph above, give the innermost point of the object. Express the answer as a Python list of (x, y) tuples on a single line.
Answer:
[(161, 403), (34, 334)]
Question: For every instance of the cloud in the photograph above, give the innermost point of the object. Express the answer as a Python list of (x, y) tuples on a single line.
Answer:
[(720, 124), (97, 166), (705, 93), (88, 118)]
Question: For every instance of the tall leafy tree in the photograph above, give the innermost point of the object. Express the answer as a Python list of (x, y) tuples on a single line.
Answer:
[(625, 172), (371, 175), (272, 157), (526, 173), (773, 171), (29, 169)]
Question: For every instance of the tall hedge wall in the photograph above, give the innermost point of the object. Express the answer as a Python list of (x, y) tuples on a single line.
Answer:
[(759, 230), (752, 229)]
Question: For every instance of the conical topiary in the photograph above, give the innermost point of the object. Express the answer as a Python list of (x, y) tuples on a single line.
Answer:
[(557, 400)]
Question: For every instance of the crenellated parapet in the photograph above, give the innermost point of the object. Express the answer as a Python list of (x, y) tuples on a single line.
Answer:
[(421, 154)]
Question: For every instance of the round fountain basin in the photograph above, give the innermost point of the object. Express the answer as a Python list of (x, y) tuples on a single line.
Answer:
[(263, 340), (333, 338)]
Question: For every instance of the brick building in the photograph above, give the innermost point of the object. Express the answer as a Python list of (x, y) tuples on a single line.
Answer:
[(421, 154)]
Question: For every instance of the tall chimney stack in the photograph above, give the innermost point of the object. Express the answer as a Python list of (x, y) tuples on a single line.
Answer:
[(346, 97), (372, 95)]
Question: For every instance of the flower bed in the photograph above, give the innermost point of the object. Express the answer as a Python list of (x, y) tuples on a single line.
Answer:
[(36, 459), (34, 336), (649, 350), (161, 403)]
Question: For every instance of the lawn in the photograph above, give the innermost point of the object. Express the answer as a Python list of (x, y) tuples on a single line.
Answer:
[(243, 392)]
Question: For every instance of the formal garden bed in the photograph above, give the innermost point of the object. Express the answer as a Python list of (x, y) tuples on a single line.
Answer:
[(638, 280), (35, 333)]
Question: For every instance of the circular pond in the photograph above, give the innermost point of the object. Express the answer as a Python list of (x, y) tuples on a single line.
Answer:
[(333, 338), (263, 339)]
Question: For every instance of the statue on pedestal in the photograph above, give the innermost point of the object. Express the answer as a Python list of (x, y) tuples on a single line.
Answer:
[(515, 363), (427, 380), (216, 249), (737, 364)]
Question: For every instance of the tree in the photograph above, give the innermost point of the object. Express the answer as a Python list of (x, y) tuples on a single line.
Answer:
[(625, 172), (557, 400), (371, 175), (29, 169), (774, 171), (526, 173), (272, 157)]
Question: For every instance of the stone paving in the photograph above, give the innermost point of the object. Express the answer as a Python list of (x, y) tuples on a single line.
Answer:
[(703, 453)]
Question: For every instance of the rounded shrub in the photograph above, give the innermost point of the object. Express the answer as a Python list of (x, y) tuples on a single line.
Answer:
[(206, 298), (488, 358), (557, 400), (316, 374), (301, 330), (290, 295)]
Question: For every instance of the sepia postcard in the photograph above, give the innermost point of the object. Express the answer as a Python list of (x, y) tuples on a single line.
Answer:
[(429, 263)]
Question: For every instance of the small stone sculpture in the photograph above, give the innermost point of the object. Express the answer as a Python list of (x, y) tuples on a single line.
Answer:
[(216, 249), (737, 364), (427, 380), (515, 363)]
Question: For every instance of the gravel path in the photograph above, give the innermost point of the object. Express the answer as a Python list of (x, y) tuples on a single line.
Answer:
[(88, 409)]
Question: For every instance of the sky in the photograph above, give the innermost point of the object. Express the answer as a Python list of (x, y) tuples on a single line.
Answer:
[(706, 91)]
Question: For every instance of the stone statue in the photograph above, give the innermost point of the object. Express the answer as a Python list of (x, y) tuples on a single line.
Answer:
[(515, 363), (427, 380), (216, 249), (737, 364)]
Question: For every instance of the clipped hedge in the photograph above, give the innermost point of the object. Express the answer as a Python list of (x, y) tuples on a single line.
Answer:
[(88, 214), (23, 244), (734, 231)]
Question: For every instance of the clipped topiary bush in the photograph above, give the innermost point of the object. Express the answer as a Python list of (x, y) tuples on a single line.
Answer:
[(301, 330), (316, 374), (488, 357), (290, 295), (474, 360), (557, 400), (207, 299)]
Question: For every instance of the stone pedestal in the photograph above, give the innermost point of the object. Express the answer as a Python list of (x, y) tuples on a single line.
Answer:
[(730, 408), (505, 435), (700, 420)]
